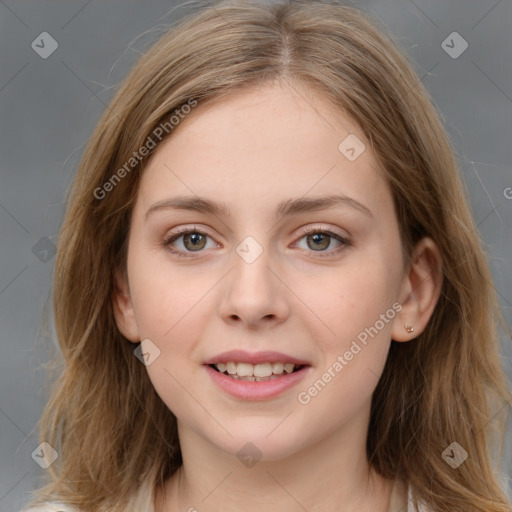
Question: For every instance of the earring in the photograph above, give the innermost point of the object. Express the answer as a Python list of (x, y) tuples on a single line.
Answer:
[(409, 328)]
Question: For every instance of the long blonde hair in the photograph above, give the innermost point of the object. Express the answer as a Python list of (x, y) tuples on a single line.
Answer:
[(111, 429)]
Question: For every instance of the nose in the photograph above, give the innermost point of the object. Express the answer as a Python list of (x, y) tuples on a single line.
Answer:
[(254, 294)]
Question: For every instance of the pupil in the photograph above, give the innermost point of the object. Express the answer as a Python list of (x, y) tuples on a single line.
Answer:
[(318, 238), (195, 239)]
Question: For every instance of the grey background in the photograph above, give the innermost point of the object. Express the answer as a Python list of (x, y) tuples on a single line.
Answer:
[(49, 107)]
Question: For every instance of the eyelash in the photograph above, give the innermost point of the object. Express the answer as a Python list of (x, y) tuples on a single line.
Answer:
[(305, 232)]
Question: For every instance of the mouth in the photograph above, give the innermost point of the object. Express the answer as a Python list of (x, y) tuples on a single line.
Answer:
[(256, 372), (256, 376), (262, 375)]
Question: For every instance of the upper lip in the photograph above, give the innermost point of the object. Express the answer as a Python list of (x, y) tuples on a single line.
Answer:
[(267, 356)]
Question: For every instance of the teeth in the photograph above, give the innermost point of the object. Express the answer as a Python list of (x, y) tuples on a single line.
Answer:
[(277, 368), (256, 372), (245, 370), (255, 379), (262, 370), (288, 368)]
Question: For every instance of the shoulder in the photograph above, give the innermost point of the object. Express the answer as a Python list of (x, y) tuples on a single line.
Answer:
[(50, 507), (142, 500)]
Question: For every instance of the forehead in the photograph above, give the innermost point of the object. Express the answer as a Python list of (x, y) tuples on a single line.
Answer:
[(266, 144)]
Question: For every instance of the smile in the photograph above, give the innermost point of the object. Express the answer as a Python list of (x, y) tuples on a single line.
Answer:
[(255, 372), (262, 375)]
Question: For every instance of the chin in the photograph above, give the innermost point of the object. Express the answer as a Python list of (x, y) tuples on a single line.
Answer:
[(261, 443)]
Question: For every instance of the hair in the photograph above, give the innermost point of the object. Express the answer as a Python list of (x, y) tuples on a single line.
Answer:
[(111, 429)]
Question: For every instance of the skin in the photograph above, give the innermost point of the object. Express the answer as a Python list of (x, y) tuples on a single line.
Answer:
[(252, 151)]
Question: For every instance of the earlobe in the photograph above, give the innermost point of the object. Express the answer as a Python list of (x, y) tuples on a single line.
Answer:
[(123, 308), (421, 288)]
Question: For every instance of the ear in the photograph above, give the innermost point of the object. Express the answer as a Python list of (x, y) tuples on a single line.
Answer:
[(420, 290), (123, 308)]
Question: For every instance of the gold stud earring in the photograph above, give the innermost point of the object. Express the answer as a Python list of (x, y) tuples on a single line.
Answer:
[(409, 328)]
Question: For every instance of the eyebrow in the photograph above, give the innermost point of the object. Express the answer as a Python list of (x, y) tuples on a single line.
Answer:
[(285, 208)]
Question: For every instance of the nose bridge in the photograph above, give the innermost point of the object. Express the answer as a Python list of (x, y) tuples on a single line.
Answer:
[(252, 291), (251, 267)]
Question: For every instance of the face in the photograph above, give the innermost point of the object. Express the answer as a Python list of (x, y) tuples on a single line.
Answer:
[(263, 268)]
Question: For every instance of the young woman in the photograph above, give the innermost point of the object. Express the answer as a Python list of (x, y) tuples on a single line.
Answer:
[(269, 291)]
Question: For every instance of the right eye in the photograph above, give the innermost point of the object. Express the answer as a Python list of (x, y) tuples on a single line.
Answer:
[(194, 240)]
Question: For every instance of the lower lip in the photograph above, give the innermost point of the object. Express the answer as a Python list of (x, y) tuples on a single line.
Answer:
[(262, 390)]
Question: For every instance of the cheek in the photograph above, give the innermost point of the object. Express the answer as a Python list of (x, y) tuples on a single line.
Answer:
[(358, 310), (354, 300), (164, 297), (168, 309), (175, 331), (351, 366)]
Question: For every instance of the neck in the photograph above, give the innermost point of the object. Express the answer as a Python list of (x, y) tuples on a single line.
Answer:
[(331, 474)]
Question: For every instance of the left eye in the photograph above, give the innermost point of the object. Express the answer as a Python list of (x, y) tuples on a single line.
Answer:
[(194, 240), (319, 240)]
